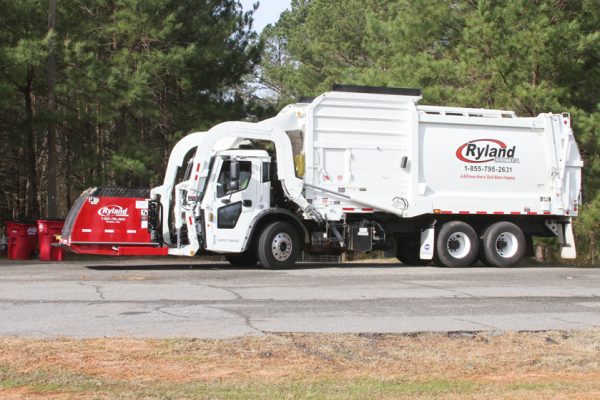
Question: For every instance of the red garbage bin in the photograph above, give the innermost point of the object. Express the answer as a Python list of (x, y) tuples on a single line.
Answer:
[(48, 230), (22, 238)]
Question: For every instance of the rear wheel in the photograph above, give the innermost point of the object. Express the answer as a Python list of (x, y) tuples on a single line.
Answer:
[(456, 245), (504, 244), (409, 249), (245, 259), (278, 246)]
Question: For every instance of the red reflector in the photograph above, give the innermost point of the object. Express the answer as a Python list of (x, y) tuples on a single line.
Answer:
[(515, 212), (445, 212), (566, 122), (190, 219), (463, 212), (546, 212), (196, 177), (198, 167), (498, 212), (531, 213), (367, 209), (481, 212), (347, 209)]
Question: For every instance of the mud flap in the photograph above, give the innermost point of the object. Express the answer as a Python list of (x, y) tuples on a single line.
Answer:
[(427, 236), (568, 243)]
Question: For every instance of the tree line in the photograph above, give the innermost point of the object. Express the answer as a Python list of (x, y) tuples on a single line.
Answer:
[(116, 83), (111, 85), (530, 56)]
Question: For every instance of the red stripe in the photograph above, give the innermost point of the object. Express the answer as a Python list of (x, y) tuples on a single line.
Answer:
[(547, 213), (531, 213), (347, 209), (515, 212), (190, 219), (463, 212), (198, 167), (499, 212), (481, 212), (445, 212), (367, 209)]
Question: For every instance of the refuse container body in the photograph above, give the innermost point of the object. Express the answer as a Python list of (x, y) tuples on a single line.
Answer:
[(22, 238), (48, 230)]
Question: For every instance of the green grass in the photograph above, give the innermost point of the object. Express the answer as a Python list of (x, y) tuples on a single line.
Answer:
[(369, 388), (87, 387), (41, 381)]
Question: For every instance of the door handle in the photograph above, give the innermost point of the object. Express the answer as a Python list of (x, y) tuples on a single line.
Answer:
[(247, 203)]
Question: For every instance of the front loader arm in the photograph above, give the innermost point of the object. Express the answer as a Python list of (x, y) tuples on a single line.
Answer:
[(176, 159)]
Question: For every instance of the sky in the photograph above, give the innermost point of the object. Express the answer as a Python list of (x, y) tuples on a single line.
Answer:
[(268, 11)]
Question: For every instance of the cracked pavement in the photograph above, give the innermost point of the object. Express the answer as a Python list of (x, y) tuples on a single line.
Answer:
[(174, 297)]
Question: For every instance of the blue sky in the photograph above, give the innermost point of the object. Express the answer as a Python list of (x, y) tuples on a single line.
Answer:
[(268, 11)]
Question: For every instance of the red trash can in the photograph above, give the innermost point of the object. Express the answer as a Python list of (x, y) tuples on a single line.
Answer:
[(22, 238), (48, 230)]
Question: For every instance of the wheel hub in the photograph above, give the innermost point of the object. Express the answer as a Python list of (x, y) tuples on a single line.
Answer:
[(506, 244), (281, 246), (458, 245)]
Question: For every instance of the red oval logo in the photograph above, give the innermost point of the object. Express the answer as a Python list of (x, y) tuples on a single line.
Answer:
[(484, 150)]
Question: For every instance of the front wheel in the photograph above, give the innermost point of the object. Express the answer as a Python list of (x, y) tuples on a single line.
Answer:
[(456, 245), (504, 244), (278, 246)]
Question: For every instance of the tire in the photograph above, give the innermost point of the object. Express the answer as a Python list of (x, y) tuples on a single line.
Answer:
[(278, 246), (408, 251), (456, 245), (504, 244), (245, 259)]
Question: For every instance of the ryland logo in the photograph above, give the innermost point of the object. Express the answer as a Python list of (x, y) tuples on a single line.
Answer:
[(486, 150), (113, 211)]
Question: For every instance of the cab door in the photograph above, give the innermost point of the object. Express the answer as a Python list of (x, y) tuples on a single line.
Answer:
[(234, 206)]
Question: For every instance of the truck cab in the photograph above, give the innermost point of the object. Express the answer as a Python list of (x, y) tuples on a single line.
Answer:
[(237, 191)]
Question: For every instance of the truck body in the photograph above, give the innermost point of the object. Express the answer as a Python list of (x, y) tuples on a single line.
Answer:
[(354, 170)]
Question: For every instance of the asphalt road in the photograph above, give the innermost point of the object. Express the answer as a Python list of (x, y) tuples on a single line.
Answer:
[(213, 300)]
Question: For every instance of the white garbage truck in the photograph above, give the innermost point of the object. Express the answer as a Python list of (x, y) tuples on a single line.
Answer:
[(355, 169)]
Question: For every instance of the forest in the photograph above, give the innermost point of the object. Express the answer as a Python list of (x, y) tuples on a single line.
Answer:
[(96, 92)]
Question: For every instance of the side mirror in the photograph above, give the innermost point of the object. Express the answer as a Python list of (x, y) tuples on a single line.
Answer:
[(234, 175)]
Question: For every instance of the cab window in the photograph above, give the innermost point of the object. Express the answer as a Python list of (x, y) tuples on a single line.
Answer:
[(224, 180)]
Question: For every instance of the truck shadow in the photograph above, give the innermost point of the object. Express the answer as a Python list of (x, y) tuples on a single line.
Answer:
[(227, 267), (224, 266)]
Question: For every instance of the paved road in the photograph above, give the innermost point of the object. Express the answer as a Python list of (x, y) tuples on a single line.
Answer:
[(213, 300)]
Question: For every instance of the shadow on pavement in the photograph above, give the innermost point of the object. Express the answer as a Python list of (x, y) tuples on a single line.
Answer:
[(226, 266)]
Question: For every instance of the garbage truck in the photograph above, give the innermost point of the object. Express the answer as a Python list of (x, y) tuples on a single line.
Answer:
[(355, 169)]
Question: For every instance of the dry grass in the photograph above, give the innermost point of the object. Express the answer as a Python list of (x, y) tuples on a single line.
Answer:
[(463, 366)]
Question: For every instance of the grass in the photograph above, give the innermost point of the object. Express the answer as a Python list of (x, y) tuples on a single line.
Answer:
[(535, 365)]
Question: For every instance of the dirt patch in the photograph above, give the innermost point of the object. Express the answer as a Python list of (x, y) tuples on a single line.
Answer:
[(538, 364), (27, 394)]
